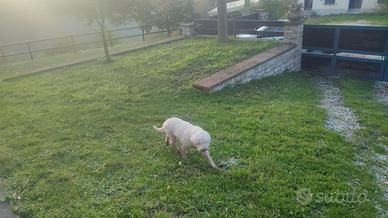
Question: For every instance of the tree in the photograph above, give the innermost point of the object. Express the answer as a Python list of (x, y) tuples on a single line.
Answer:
[(222, 21), (276, 8), (169, 13), (142, 11), (95, 12), (383, 5)]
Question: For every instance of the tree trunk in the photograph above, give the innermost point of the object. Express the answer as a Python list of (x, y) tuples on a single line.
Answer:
[(247, 7), (105, 44), (222, 21)]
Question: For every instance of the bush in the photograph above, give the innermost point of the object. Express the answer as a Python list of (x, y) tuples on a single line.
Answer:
[(276, 8), (384, 5)]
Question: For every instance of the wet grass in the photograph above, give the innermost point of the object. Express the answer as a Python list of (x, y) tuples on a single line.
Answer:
[(79, 142), (373, 138)]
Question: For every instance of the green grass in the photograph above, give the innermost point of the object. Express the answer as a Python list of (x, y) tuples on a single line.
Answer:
[(19, 68), (374, 19), (373, 115), (79, 142)]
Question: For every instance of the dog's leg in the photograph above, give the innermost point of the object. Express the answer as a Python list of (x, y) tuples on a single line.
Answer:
[(171, 140), (183, 151), (167, 140)]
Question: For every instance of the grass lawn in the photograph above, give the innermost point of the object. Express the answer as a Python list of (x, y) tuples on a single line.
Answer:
[(373, 115), (12, 70), (79, 142), (374, 19)]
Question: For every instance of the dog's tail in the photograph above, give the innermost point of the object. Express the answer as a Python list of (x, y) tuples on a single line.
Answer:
[(206, 155), (161, 130)]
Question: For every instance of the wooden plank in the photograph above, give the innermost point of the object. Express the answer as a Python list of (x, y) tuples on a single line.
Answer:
[(363, 40), (323, 38)]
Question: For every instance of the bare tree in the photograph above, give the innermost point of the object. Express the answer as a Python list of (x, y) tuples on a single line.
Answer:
[(95, 12), (222, 21)]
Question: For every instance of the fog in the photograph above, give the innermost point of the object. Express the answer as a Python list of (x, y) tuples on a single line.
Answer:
[(32, 19)]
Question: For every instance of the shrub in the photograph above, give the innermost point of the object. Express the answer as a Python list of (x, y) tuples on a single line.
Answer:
[(276, 8), (383, 5)]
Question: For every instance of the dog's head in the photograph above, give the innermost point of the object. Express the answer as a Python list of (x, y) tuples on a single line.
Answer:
[(201, 141)]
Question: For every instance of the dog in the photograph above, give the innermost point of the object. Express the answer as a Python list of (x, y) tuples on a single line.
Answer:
[(188, 135)]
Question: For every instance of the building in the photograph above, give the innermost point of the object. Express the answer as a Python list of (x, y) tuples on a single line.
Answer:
[(201, 7), (233, 6), (325, 7)]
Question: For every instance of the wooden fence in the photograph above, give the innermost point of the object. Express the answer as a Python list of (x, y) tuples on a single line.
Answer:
[(241, 26), (355, 50), (71, 43)]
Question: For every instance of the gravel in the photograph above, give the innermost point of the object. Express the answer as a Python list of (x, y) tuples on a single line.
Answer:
[(382, 91), (341, 118)]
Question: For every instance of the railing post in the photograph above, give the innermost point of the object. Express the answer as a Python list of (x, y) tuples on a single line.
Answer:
[(384, 63), (143, 33), (28, 43), (72, 43), (110, 38)]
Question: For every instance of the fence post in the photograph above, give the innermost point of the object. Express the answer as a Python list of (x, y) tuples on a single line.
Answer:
[(188, 29), (335, 47), (110, 38), (28, 43), (3, 58), (142, 33), (168, 30), (233, 29), (72, 43)]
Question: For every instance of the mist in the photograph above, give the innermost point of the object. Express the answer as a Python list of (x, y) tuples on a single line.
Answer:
[(32, 19)]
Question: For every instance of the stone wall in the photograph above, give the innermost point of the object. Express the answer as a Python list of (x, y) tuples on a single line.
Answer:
[(277, 65), (188, 29), (268, 63), (272, 62), (293, 34)]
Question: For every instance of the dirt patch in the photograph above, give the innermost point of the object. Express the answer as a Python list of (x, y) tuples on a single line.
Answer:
[(382, 92), (341, 118)]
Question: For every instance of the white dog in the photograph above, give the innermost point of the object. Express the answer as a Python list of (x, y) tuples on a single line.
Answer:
[(188, 135)]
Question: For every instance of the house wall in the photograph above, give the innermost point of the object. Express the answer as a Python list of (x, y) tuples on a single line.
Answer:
[(340, 6), (369, 5), (202, 7)]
